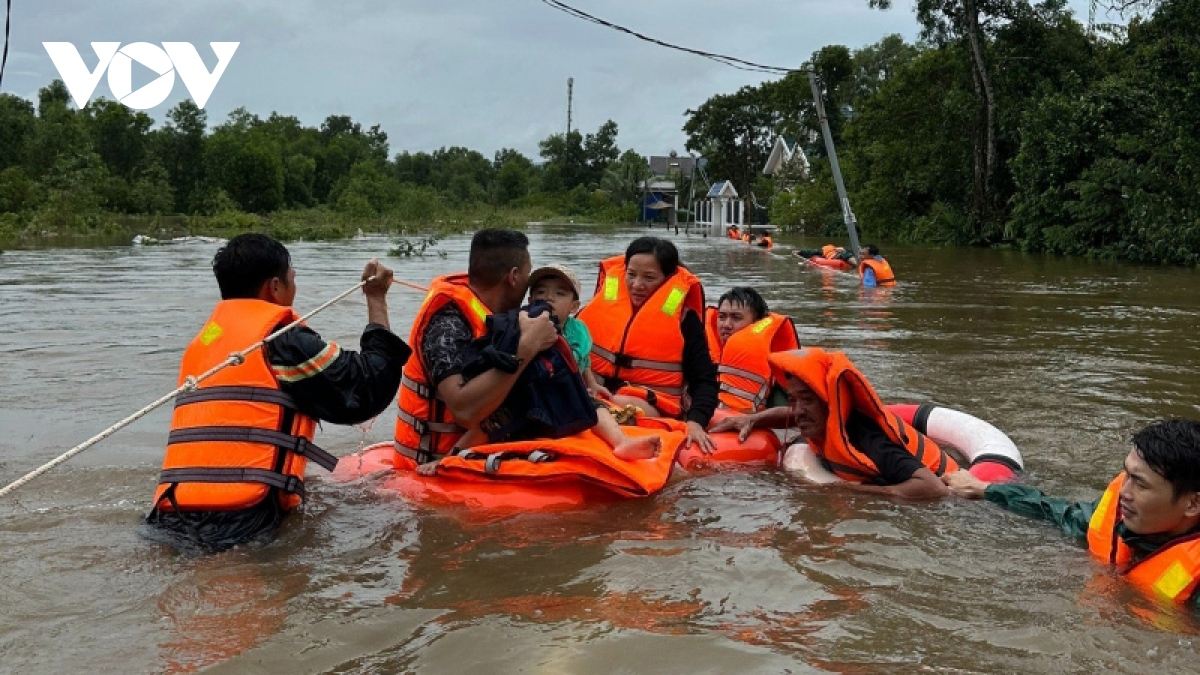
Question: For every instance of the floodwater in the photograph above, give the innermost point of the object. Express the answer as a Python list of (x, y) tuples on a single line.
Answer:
[(736, 572)]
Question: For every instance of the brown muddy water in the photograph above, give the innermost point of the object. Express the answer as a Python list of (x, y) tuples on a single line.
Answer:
[(736, 572)]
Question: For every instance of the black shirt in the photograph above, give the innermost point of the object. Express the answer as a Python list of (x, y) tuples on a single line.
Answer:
[(444, 343), (352, 388), (895, 463)]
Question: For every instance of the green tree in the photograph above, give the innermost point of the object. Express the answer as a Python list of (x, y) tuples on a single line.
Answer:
[(566, 163), (246, 164), (624, 179), (119, 135), (415, 169), (599, 151), (181, 150), (514, 176), (17, 123)]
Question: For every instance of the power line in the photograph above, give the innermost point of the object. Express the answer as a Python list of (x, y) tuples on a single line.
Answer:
[(7, 26), (733, 62)]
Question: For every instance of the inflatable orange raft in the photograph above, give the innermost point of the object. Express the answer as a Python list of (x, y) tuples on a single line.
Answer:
[(566, 473), (761, 448), (828, 263)]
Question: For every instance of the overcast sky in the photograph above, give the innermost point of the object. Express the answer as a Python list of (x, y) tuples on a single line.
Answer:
[(485, 74)]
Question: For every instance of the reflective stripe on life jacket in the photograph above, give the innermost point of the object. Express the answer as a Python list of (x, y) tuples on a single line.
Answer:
[(1172, 572), (424, 426), (742, 367), (844, 389), (883, 271), (642, 348), (237, 435)]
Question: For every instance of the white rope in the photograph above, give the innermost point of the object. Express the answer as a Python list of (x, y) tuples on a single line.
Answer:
[(236, 358)]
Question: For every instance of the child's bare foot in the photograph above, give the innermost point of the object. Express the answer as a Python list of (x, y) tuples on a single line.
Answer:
[(641, 447), (428, 468)]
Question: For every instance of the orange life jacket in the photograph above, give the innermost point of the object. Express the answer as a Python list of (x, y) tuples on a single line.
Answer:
[(844, 390), (425, 428), (742, 367), (237, 435), (642, 348), (883, 271), (829, 251), (766, 242), (1172, 572)]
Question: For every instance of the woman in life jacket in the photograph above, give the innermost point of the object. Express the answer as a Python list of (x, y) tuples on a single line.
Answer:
[(649, 346)]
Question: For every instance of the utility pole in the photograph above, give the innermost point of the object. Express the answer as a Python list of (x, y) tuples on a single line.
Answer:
[(570, 94), (847, 214)]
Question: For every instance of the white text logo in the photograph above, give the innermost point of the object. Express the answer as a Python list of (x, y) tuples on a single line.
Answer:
[(178, 57)]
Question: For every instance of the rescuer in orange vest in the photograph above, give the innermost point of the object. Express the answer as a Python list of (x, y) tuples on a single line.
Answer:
[(742, 332), (239, 443), (1146, 524), (436, 405), (874, 270)]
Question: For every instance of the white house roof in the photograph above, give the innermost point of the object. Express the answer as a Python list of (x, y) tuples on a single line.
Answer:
[(782, 154), (722, 189)]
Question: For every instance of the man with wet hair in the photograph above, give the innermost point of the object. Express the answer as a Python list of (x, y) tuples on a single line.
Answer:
[(874, 270), (1147, 523), (239, 443), (742, 332), (437, 404)]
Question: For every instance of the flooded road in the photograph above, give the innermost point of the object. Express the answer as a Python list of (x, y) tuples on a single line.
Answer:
[(736, 572)]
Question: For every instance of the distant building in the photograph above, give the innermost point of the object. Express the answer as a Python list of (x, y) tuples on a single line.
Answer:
[(782, 154), (665, 166), (721, 207)]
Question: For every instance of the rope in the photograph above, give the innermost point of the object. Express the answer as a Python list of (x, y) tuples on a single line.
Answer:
[(234, 359), (415, 287)]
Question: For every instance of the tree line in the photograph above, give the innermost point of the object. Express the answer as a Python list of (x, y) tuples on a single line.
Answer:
[(1009, 123), (67, 170)]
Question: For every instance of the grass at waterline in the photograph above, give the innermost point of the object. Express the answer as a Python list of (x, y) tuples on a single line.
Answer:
[(105, 229)]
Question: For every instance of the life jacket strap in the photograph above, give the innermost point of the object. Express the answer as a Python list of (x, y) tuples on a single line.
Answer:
[(626, 361), (289, 484), (730, 370), (420, 389), (236, 393), (418, 455), (287, 442), (424, 427), (751, 397)]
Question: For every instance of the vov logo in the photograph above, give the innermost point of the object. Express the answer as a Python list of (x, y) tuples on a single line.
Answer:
[(173, 57)]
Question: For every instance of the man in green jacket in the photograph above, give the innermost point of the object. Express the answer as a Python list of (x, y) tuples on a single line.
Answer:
[(1147, 523)]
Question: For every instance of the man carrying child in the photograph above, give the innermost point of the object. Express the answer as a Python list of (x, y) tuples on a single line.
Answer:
[(441, 409)]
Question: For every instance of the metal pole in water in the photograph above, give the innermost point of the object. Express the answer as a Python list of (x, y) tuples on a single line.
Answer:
[(847, 214)]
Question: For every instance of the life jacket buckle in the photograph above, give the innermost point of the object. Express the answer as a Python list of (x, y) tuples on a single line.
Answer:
[(293, 485), (623, 360)]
